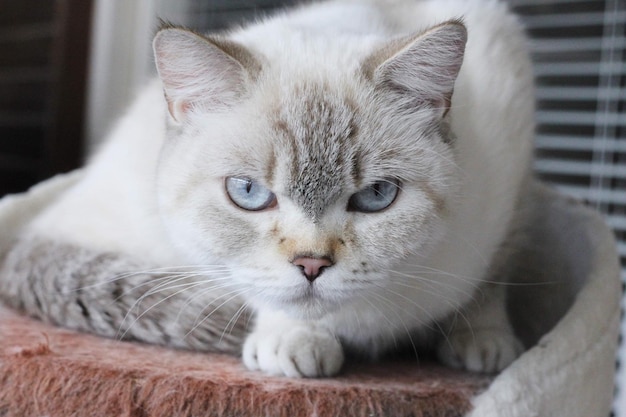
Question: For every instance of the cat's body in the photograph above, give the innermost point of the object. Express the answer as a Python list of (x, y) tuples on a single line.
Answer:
[(316, 106)]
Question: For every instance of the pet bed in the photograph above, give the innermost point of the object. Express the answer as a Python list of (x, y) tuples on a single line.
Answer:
[(569, 371)]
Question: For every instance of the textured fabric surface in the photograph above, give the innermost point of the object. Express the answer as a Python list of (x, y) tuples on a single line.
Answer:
[(48, 371)]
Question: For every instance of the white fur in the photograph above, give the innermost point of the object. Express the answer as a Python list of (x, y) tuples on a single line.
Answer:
[(116, 208)]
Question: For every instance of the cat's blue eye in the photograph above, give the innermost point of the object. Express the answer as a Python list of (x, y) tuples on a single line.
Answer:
[(376, 197), (248, 194)]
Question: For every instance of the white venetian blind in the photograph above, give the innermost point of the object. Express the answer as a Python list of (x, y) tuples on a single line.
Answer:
[(579, 47)]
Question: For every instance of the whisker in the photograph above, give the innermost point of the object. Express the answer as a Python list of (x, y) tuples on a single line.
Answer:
[(157, 271), (438, 294), (164, 282), (177, 278), (431, 319), (233, 321), (200, 294), (214, 299), (467, 278), (143, 313), (432, 283), (237, 293), (455, 306), (406, 329), (384, 316)]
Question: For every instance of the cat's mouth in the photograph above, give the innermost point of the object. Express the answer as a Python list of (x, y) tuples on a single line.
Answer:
[(309, 302)]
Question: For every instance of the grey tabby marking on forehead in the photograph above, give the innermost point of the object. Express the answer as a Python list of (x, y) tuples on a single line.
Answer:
[(317, 130), (270, 168)]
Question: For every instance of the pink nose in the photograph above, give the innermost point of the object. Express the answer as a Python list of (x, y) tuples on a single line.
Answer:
[(311, 267)]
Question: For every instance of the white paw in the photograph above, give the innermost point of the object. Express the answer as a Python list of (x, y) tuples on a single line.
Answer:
[(482, 350), (299, 352)]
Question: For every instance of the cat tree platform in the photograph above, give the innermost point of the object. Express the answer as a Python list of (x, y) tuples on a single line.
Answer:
[(52, 372), (48, 371)]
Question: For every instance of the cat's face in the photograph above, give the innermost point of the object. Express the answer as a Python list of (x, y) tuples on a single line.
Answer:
[(309, 189)]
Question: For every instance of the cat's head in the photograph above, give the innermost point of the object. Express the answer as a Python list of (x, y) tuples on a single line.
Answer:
[(311, 175)]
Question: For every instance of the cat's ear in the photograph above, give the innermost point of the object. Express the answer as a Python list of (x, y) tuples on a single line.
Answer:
[(197, 71), (421, 69)]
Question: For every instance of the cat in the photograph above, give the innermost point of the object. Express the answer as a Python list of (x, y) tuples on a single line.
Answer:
[(341, 178)]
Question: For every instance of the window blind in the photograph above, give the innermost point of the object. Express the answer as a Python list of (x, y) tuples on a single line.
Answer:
[(579, 49)]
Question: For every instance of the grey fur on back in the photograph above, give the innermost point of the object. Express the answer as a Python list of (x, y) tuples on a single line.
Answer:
[(115, 296)]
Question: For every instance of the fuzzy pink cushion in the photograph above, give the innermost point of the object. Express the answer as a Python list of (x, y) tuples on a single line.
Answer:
[(48, 371)]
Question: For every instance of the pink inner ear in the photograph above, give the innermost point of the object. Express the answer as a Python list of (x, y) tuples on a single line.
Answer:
[(177, 108), (426, 69), (197, 71)]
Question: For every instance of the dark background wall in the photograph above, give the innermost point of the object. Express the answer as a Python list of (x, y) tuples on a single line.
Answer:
[(43, 65)]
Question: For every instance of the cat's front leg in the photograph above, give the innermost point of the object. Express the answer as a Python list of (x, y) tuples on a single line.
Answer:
[(283, 346), (482, 338)]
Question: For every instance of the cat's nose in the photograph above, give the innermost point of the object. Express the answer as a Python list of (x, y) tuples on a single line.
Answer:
[(312, 267)]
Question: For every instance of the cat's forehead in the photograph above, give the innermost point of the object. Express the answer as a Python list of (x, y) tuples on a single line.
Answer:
[(315, 129)]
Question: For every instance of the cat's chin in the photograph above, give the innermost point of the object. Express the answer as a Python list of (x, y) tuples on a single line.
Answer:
[(302, 302), (305, 308), (307, 312)]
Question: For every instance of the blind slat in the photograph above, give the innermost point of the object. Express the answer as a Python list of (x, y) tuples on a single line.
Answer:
[(576, 44), (617, 222), (576, 143), (543, 3), (581, 118), (594, 194), (563, 167), (580, 68), (581, 93), (569, 20)]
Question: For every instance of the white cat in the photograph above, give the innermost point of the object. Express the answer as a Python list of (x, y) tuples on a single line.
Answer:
[(349, 171)]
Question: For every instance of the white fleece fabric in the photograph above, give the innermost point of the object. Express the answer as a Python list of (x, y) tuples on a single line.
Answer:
[(569, 373)]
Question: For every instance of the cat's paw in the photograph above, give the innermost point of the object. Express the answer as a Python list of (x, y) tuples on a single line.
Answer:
[(482, 350), (299, 352)]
